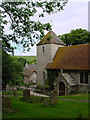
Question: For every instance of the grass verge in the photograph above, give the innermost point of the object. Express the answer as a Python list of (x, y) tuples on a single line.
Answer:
[(64, 109), (79, 96)]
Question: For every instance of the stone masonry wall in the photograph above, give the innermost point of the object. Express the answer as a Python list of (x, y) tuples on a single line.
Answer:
[(44, 58)]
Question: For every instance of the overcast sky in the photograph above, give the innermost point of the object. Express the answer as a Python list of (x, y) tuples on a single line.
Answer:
[(74, 15)]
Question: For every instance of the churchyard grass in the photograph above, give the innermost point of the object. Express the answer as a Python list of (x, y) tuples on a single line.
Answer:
[(79, 96), (64, 109), (11, 93)]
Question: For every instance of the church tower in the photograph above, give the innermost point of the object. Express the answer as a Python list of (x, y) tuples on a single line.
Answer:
[(46, 50)]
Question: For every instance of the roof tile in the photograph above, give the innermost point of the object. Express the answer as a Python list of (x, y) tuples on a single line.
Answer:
[(76, 57)]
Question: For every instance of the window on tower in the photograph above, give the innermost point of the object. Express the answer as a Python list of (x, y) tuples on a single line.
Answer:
[(43, 49)]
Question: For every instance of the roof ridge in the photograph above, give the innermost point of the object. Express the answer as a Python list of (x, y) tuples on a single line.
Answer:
[(51, 38)]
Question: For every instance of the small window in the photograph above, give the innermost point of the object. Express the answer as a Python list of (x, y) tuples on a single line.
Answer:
[(34, 76), (48, 39), (43, 49), (86, 78), (81, 77)]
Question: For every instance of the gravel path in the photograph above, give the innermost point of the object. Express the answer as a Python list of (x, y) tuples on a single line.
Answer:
[(37, 94)]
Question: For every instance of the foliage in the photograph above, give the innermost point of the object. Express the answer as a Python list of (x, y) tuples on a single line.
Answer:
[(24, 30), (52, 74), (75, 37), (11, 92), (23, 61), (47, 87), (39, 87), (12, 70), (7, 73), (72, 92), (33, 62), (32, 83)]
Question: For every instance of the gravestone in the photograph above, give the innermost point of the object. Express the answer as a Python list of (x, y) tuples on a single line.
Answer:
[(26, 94), (15, 88), (6, 102), (46, 101), (6, 105), (53, 97), (15, 92), (7, 88)]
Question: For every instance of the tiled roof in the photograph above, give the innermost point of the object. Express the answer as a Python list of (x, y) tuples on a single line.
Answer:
[(76, 57), (51, 38), (31, 68)]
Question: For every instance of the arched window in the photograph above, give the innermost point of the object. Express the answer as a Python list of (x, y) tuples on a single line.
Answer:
[(43, 49)]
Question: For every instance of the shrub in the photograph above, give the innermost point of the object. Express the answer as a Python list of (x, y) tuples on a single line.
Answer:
[(84, 91), (47, 87), (32, 83), (88, 91), (39, 87), (73, 92)]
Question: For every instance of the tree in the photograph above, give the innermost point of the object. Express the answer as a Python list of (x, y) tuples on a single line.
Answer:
[(12, 70), (24, 29), (23, 61), (75, 37)]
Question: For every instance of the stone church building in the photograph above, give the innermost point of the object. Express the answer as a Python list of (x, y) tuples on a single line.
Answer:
[(72, 63)]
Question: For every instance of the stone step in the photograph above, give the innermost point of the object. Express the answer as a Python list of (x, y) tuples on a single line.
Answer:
[(69, 79)]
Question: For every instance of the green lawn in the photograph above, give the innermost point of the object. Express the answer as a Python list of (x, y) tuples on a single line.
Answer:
[(11, 93), (79, 96), (28, 58), (64, 109)]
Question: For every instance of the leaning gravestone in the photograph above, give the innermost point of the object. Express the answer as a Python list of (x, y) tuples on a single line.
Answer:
[(6, 105), (53, 97), (6, 102), (46, 101), (7, 88), (26, 94), (15, 93)]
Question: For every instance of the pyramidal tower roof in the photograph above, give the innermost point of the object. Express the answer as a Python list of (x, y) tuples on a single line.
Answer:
[(51, 38)]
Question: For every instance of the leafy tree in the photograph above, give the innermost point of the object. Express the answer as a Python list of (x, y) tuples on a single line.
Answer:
[(75, 37), (33, 62), (12, 70), (6, 69), (23, 61), (24, 29)]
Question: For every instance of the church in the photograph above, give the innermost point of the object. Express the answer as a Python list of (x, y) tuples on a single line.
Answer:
[(71, 62)]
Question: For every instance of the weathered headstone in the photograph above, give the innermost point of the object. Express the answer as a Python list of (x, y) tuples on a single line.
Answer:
[(15, 92), (11, 88), (53, 97), (6, 105), (6, 102), (7, 88), (26, 94), (15, 88), (46, 101)]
